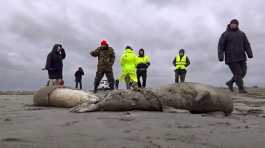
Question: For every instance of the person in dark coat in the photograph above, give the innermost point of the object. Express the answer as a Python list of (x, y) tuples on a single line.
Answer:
[(78, 77), (106, 58), (181, 62), (233, 46), (143, 62), (54, 62)]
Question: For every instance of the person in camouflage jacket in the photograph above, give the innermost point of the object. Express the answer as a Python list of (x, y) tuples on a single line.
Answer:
[(106, 58)]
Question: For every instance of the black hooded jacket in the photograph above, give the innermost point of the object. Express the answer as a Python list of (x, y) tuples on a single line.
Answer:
[(78, 75), (234, 45), (55, 59)]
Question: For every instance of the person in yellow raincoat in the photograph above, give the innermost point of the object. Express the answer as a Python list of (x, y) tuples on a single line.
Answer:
[(128, 63)]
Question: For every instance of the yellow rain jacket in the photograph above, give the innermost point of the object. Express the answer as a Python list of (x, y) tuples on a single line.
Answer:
[(128, 63)]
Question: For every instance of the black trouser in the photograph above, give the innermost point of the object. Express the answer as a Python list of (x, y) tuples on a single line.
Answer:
[(78, 82), (55, 74), (239, 70), (143, 74), (99, 76), (117, 84), (180, 74)]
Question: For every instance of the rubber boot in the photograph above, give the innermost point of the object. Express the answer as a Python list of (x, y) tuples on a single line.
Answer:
[(242, 91), (95, 89), (117, 84), (241, 88), (230, 86)]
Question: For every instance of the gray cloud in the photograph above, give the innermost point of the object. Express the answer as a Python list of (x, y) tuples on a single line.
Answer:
[(30, 28)]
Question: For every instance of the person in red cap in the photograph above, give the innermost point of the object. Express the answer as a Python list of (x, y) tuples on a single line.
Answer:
[(106, 58)]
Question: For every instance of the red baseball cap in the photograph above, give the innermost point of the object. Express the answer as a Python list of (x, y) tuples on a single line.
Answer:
[(104, 42)]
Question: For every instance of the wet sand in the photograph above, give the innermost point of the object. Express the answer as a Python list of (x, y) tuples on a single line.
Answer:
[(25, 126)]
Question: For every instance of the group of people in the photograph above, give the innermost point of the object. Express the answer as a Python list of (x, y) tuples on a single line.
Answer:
[(233, 47), (133, 67)]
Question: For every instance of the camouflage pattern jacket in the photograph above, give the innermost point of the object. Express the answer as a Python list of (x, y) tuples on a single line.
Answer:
[(106, 58)]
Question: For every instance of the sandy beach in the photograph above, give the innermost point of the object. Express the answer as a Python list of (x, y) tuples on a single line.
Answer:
[(25, 126)]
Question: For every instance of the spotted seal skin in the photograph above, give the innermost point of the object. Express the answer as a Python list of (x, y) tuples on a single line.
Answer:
[(195, 97), (124, 100)]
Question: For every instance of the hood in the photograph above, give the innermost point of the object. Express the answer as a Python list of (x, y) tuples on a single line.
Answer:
[(139, 53), (229, 29), (55, 47), (127, 50)]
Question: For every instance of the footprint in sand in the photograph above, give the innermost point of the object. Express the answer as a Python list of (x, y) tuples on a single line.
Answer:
[(127, 131), (35, 109), (12, 140), (7, 119), (70, 123)]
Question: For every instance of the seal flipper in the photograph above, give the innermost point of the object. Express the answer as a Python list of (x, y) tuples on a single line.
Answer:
[(202, 95), (85, 108)]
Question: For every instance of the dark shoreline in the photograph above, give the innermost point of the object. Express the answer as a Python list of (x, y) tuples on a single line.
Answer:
[(17, 92)]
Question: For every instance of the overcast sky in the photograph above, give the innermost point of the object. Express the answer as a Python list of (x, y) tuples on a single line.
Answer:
[(29, 29)]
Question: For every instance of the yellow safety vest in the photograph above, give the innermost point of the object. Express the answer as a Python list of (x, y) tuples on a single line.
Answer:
[(144, 59), (181, 63)]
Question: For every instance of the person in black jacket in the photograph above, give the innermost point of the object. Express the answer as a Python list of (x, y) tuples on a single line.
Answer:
[(233, 46), (143, 62), (78, 77), (54, 63)]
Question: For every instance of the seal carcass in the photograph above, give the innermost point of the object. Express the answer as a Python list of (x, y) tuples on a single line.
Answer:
[(197, 98), (123, 100), (62, 97)]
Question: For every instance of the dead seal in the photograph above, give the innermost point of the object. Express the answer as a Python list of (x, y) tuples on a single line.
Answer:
[(195, 97), (123, 100), (62, 97)]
